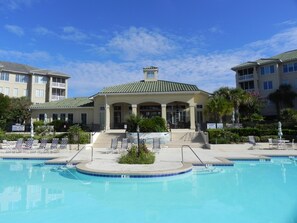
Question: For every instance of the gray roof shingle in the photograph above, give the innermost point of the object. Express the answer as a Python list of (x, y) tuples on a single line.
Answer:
[(283, 57), (22, 68), (159, 86), (66, 103)]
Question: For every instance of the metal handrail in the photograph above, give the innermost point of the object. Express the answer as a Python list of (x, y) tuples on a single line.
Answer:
[(92, 154), (182, 154)]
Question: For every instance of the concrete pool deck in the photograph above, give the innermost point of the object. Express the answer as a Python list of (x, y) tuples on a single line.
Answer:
[(168, 160)]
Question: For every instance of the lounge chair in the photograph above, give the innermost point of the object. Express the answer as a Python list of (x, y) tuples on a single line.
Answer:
[(156, 145), (54, 146), (252, 141), (5, 146), (42, 146), (18, 146), (113, 145), (64, 143), (273, 144), (28, 147), (124, 145)]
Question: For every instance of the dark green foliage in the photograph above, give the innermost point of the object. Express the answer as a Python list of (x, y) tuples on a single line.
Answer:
[(145, 156), (132, 123), (241, 134), (77, 135), (36, 124), (59, 125), (283, 98), (155, 124)]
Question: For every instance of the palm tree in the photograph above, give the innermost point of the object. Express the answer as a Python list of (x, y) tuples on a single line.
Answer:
[(283, 97), (217, 107), (237, 97)]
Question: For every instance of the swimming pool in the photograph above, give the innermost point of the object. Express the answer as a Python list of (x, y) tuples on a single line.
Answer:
[(31, 192)]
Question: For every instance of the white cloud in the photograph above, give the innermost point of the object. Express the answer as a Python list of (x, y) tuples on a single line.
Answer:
[(17, 30), (215, 29), (15, 4), (43, 31), (68, 33), (24, 57), (72, 33), (278, 43), (136, 42), (207, 71)]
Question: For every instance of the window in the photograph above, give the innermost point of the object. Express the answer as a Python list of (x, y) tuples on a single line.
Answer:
[(6, 91), (150, 74), (4, 76), (267, 85), (39, 93), (55, 117), (267, 70), (247, 85), (41, 117), (289, 67), (21, 78), (286, 82), (246, 71), (15, 92), (40, 80), (63, 117), (84, 118), (59, 80), (70, 118), (25, 93), (199, 106)]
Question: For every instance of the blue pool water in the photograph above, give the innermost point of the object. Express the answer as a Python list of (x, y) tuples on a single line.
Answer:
[(264, 192)]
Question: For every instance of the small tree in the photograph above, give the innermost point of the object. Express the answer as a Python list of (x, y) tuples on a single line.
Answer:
[(283, 98), (217, 107), (77, 135)]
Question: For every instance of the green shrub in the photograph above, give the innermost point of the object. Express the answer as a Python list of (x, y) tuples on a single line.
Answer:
[(155, 124), (145, 156), (77, 135), (221, 136), (37, 124)]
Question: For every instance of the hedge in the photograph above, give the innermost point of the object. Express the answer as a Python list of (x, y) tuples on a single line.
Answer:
[(222, 136)]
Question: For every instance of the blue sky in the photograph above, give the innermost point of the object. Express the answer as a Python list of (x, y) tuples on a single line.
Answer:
[(100, 43)]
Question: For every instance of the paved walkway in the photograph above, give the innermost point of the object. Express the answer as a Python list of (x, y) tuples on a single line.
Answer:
[(168, 160)]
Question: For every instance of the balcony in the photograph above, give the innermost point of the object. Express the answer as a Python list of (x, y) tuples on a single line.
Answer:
[(246, 77), (57, 97), (58, 85)]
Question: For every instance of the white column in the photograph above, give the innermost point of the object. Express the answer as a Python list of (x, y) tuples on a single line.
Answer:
[(107, 117), (50, 89), (164, 112), (192, 117), (134, 109)]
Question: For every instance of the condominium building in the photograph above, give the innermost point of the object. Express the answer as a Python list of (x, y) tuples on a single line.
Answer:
[(264, 76), (18, 80), (180, 104)]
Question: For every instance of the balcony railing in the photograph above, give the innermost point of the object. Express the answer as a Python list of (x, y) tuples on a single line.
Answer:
[(246, 77), (57, 97), (57, 84)]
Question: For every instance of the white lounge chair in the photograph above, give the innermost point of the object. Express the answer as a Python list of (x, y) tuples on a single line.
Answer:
[(54, 146), (124, 145), (252, 140), (18, 146), (113, 146), (64, 143), (42, 146), (273, 144), (156, 145), (28, 147)]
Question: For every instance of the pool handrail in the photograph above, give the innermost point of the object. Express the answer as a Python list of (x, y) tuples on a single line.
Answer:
[(72, 158), (182, 154)]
